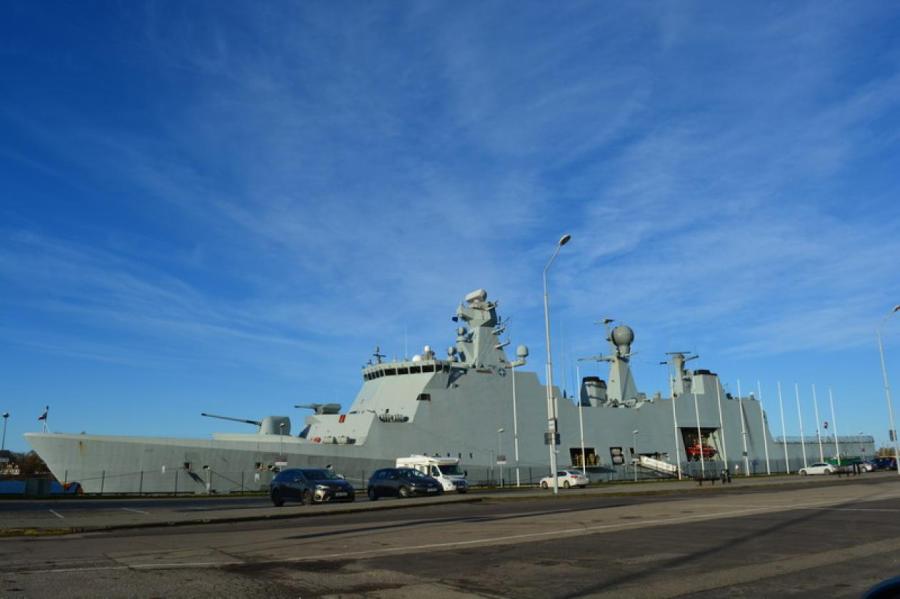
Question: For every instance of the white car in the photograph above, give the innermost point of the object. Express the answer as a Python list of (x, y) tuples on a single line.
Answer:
[(818, 468), (566, 479)]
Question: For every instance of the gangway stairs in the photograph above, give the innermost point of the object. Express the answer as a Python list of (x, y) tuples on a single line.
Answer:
[(658, 466)]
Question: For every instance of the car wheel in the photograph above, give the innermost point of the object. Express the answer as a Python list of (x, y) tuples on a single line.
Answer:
[(306, 498), (373, 496), (277, 499), (566, 485), (404, 492), (803, 473), (543, 484)]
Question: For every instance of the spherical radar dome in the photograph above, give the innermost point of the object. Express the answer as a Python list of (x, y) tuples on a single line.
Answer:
[(622, 335)]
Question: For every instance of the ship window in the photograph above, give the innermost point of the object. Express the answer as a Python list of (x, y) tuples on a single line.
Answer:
[(415, 369), (389, 372), (424, 397), (403, 371), (428, 368), (187, 465)]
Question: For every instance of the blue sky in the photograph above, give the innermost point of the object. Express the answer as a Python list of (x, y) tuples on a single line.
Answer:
[(225, 208)]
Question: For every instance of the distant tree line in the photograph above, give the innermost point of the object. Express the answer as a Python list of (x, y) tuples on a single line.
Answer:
[(30, 464)]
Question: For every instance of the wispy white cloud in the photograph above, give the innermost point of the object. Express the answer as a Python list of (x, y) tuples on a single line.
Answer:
[(299, 183)]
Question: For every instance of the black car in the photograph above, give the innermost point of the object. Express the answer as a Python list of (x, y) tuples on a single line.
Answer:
[(402, 482), (308, 485)]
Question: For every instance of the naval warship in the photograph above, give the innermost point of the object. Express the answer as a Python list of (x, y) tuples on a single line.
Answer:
[(456, 406)]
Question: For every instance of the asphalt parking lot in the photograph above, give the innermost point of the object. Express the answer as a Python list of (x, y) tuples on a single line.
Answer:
[(822, 538)]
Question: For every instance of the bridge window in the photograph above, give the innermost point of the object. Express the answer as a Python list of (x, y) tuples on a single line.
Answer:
[(424, 397)]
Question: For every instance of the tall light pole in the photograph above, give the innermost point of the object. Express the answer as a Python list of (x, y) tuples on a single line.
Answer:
[(521, 353), (550, 437), (500, 453), (887, 386), (581, 420), (637, 456), (3, 443)]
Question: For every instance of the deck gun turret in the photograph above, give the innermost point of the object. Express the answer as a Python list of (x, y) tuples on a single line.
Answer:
[(270, 425)]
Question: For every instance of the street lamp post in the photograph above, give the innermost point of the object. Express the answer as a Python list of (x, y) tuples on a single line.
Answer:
[(887, 386), (581, 420), (522, 353), (500, 453), (551, 410), (637, 456)]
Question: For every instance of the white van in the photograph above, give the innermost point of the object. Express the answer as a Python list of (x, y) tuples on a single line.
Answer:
[(445, 470)]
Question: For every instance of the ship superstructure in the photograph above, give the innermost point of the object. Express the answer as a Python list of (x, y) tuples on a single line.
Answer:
[(452, 406)]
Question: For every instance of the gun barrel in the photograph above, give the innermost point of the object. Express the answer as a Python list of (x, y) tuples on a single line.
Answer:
[(245, 421)]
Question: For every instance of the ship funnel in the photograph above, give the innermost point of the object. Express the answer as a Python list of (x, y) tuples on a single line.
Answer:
[(593, 391)]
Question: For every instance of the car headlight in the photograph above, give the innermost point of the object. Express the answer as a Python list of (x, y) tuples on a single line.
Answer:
[(321, 487)]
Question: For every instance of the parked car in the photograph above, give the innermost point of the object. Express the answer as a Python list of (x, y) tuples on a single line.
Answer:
[(402, 482), (818, 468), (566, 479), (866, 466), (309, 485), (885, 463)]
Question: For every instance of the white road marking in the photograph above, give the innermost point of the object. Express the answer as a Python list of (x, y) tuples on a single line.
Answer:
[(128, 509), (57, 514)]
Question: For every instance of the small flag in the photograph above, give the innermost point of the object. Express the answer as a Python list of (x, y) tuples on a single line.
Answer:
[(44, 415)]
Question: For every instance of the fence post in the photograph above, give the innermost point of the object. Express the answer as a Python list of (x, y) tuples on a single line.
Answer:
[(176, 482), (102, 481), (242, 482), (65, 478), (141, 484)]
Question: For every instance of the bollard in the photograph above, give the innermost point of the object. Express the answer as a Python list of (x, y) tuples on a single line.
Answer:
[(102, 481), (141, 484), (176, 482), (242, 482)]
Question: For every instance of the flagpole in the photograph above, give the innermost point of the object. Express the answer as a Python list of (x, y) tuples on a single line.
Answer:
[(743, 430), (787, 462), (818, 433), (762, 418), (800, 418), (837, 448)]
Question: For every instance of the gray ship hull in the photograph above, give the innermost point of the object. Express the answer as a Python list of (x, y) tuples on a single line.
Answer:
[(455, 407)]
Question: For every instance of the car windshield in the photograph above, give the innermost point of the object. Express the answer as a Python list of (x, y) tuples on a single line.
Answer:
[(450, 470), (410, 473), (320, 474)]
